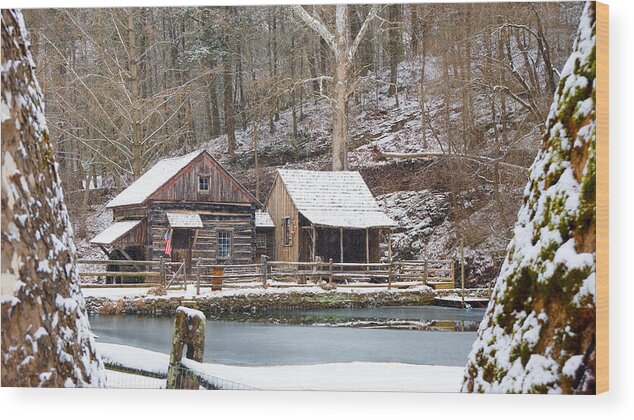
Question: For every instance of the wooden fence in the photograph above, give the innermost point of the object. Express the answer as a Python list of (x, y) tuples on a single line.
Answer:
[(142, 273), (280, 274)]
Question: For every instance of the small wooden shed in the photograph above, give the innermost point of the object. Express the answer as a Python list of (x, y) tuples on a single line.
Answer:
[(209, 214), (325, 214)]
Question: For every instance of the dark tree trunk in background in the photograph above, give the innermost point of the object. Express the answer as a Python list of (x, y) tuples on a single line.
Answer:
[(228, 104), (395, 47)]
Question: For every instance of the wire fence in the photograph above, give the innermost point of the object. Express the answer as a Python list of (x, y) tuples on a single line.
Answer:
[(184, 379), (123, 380)]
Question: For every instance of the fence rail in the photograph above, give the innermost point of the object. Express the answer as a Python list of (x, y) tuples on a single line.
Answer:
[(152, 273), (279, 274)]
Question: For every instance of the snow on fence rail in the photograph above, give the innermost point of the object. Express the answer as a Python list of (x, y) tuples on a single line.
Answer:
[(398, 274), (153, 273)]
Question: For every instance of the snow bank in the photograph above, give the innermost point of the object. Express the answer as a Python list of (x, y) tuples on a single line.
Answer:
[(134, 358), (356, 376)]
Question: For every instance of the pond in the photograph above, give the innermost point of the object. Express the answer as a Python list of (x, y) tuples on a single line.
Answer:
[(417, 335)]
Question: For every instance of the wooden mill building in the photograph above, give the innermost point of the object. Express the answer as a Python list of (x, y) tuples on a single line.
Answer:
[(211, 215), (325, 214)]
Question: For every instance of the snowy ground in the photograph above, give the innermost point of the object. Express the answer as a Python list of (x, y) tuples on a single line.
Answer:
[(356, 376), (256, 289)]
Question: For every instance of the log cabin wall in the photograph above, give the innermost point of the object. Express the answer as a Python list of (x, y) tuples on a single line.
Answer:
[(238, 220), (280, 205)]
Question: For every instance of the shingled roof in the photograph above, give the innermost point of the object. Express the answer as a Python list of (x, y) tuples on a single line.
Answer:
[(335, 199)]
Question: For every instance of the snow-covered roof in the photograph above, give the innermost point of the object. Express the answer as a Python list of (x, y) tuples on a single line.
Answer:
[(184, 220), (334, 198), (153, 179), (115, 231), (263, 219)]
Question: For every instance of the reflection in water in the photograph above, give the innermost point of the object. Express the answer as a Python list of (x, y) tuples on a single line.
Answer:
[(417, 335), (402, 317)]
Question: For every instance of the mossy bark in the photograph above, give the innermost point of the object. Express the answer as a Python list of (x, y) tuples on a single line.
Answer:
[(538, 334)]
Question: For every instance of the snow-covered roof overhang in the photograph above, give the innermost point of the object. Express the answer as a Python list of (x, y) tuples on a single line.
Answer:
[(349, 219), (152, 180), (263, 220), (115, 231), (334, 199), (185, 220)]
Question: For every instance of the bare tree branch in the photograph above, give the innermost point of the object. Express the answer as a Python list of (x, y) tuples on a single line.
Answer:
[(316, 25)]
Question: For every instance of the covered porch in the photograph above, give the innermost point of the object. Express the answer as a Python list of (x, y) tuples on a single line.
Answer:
[(344, 237)]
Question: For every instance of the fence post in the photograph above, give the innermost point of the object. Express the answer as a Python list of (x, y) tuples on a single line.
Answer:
[(197, 277), (426, 272), (162, 270), (264, 261), (462, 270), (189, 330), (390, 274), (330, 271)]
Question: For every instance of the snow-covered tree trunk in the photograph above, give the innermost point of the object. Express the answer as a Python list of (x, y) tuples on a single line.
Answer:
[(538, 334), (46, 338)]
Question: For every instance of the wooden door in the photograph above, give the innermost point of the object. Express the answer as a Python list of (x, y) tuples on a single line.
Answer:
[(182, 248)]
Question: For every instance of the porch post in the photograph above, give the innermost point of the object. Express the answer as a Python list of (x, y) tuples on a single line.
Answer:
[(389, 258), (341, 244), (367, 246), (314, 242)]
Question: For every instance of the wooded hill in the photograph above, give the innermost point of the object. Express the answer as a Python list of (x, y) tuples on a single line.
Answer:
[(470, 85)]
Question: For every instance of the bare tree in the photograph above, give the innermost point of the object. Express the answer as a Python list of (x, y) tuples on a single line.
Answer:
[(344, 52)]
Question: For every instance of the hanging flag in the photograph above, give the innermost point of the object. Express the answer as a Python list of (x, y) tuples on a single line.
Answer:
[(168, 242)]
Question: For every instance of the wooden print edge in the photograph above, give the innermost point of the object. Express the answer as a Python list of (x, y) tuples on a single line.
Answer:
[(602, 198)]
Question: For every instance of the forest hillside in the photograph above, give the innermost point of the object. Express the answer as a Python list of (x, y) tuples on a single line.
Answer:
[(445, 105)]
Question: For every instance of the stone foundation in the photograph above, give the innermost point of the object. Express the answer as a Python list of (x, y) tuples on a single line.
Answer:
[(257, 303)]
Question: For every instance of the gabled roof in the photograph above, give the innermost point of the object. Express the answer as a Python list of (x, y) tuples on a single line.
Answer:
[(115, 231), (334, 198), (152, 180), (157, 176)]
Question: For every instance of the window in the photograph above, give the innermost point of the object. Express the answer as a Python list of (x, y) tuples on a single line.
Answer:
[(224, 245), (288, 232), (203, 183), (260, 241)]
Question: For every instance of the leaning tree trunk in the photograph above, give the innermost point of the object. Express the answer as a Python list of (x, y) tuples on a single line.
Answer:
[(46, 338), (538, 334)]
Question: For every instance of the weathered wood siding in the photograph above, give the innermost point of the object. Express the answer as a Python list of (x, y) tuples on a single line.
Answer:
[(223, 188), (128, 213), (280, 205), (136, 236), (237, 219)]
